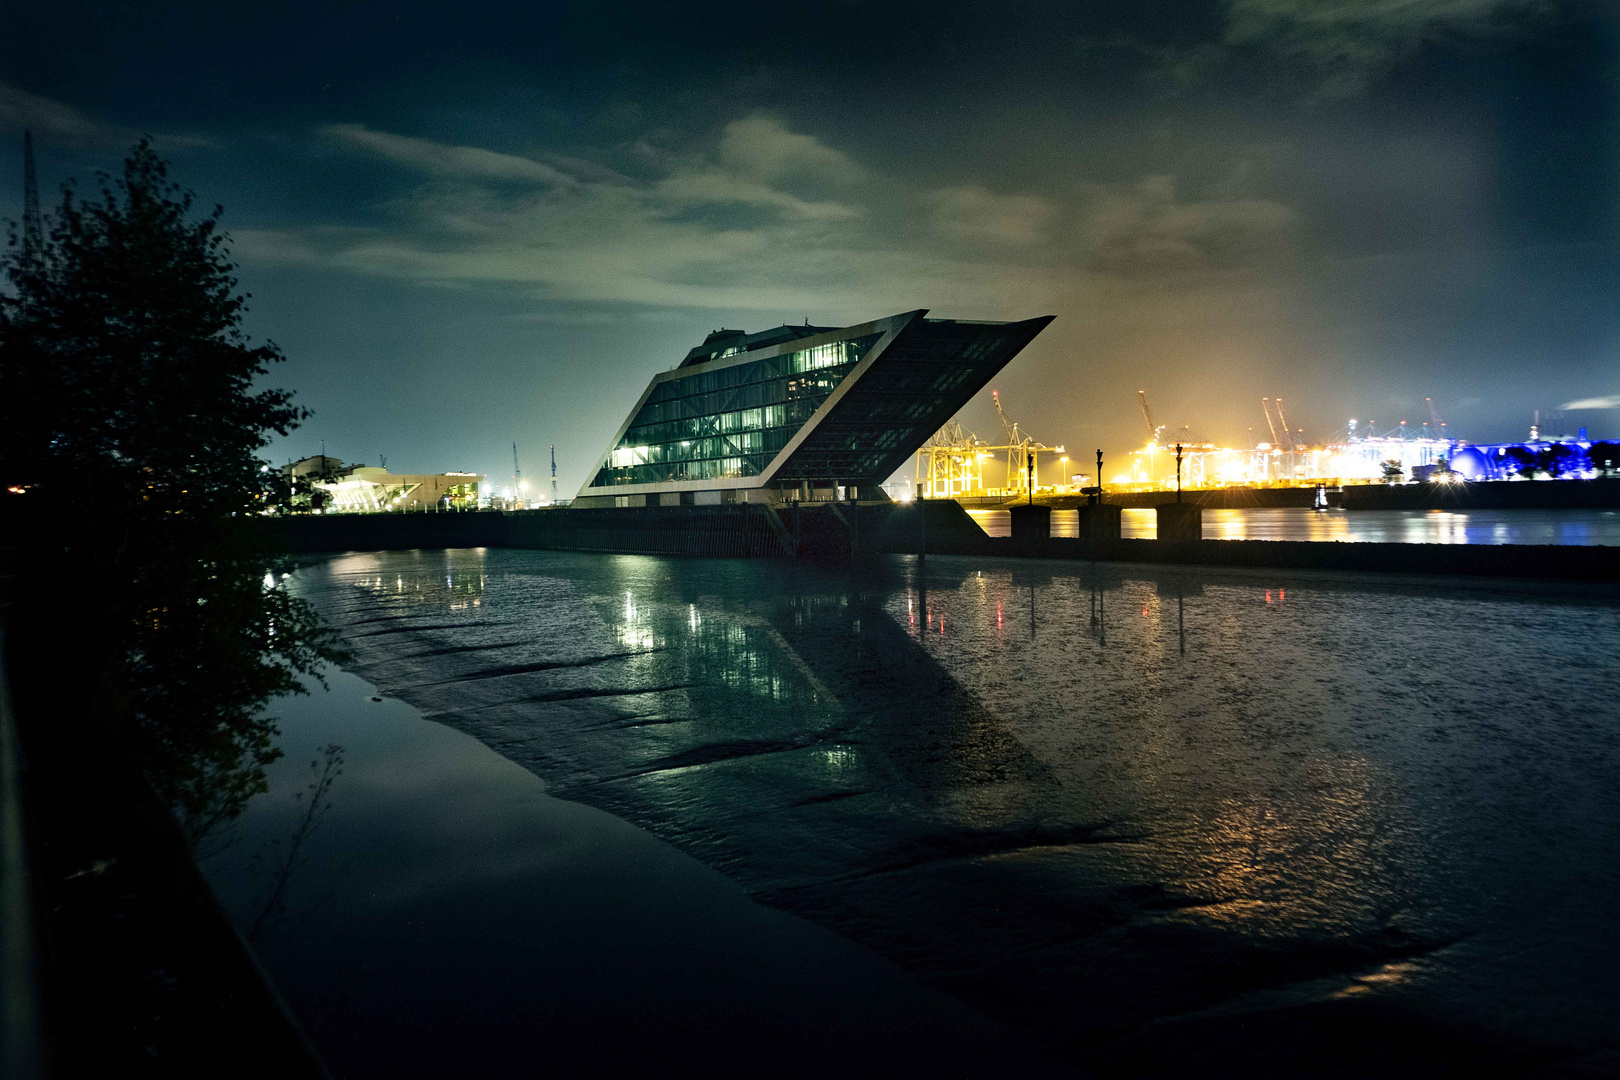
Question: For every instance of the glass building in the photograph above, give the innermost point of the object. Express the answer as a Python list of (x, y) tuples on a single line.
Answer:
[(799, 412)]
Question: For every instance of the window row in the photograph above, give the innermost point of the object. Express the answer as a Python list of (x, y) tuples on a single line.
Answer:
[(753, 395)]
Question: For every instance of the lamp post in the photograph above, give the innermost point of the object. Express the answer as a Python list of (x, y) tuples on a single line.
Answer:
[(1178, 472)]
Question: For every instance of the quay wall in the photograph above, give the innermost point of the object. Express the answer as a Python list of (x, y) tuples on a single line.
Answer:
[(834, 533), (743, 531), (1484, 560), (1601, 494)]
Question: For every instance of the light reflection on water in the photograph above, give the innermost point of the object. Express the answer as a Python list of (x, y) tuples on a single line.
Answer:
[(1359, 526), (1083, 796)]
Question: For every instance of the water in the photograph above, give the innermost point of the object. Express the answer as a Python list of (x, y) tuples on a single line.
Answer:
[(1361, 526), (1147, 818), (446, 917)]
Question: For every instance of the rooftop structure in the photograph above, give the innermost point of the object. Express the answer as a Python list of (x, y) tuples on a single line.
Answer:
[(799, 412)]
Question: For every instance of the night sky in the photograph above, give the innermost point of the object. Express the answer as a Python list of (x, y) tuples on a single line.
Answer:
[(472, 224)]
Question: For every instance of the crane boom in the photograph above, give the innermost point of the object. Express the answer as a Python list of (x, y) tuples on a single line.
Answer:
[(1020, 446), (1147, 414), (1265, 406), (1284, 422), (1010, 426)]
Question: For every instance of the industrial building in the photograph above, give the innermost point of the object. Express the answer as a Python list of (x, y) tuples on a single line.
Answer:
[(335, 487), (367, 488), (798, 413)]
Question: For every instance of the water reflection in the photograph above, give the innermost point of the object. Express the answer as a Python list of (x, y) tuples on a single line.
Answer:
[(1111, 819), (1562, 527)]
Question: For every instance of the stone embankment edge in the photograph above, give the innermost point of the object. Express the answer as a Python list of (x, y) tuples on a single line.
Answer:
[(1583, 563), (949, 531)]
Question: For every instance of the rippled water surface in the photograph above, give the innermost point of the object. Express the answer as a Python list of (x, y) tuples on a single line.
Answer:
[(1361, 526), (1149, 817)]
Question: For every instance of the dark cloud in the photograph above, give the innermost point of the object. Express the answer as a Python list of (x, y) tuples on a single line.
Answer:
[(495, 223)]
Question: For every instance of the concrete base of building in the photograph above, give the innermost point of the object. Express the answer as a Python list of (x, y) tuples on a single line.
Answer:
[(1180, 521)]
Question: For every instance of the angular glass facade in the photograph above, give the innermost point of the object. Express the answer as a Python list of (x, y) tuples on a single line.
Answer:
[(924, 376), (731, 421), (852, 402)]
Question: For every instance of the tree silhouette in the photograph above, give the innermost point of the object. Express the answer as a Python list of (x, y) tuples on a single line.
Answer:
[(131, 422)]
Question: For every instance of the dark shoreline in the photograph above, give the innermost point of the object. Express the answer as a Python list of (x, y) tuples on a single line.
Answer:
[(135, 969)]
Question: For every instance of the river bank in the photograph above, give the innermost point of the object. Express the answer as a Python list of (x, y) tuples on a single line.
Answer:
[(119, 961)]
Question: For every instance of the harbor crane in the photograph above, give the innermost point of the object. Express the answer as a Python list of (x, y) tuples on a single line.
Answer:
[(1193, 447), (951, 463), (1155, 431), (1283, 420), (1265, 406), (1439, 429), (1021, 449)]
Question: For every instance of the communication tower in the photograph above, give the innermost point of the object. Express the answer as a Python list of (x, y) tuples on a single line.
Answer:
[(517, 479), (33, 238)]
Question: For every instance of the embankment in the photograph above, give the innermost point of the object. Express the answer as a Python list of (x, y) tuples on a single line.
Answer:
[(1599, 494), (827, 532)]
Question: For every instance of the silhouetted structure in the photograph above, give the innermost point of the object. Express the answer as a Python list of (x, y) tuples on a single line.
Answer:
[(33, 237)]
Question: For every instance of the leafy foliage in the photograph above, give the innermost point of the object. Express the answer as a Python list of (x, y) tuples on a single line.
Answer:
[(131, 420)]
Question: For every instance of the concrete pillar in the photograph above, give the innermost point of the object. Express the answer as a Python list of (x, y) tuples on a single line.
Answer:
[(1099, 522), (1030, 522), (1180, 521)]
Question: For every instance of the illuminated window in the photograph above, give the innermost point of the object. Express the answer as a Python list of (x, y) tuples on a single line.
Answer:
[(731, 421)]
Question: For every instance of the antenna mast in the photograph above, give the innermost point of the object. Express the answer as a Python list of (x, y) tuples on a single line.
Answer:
[(553, 474), (517, 475), (33, 238)]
